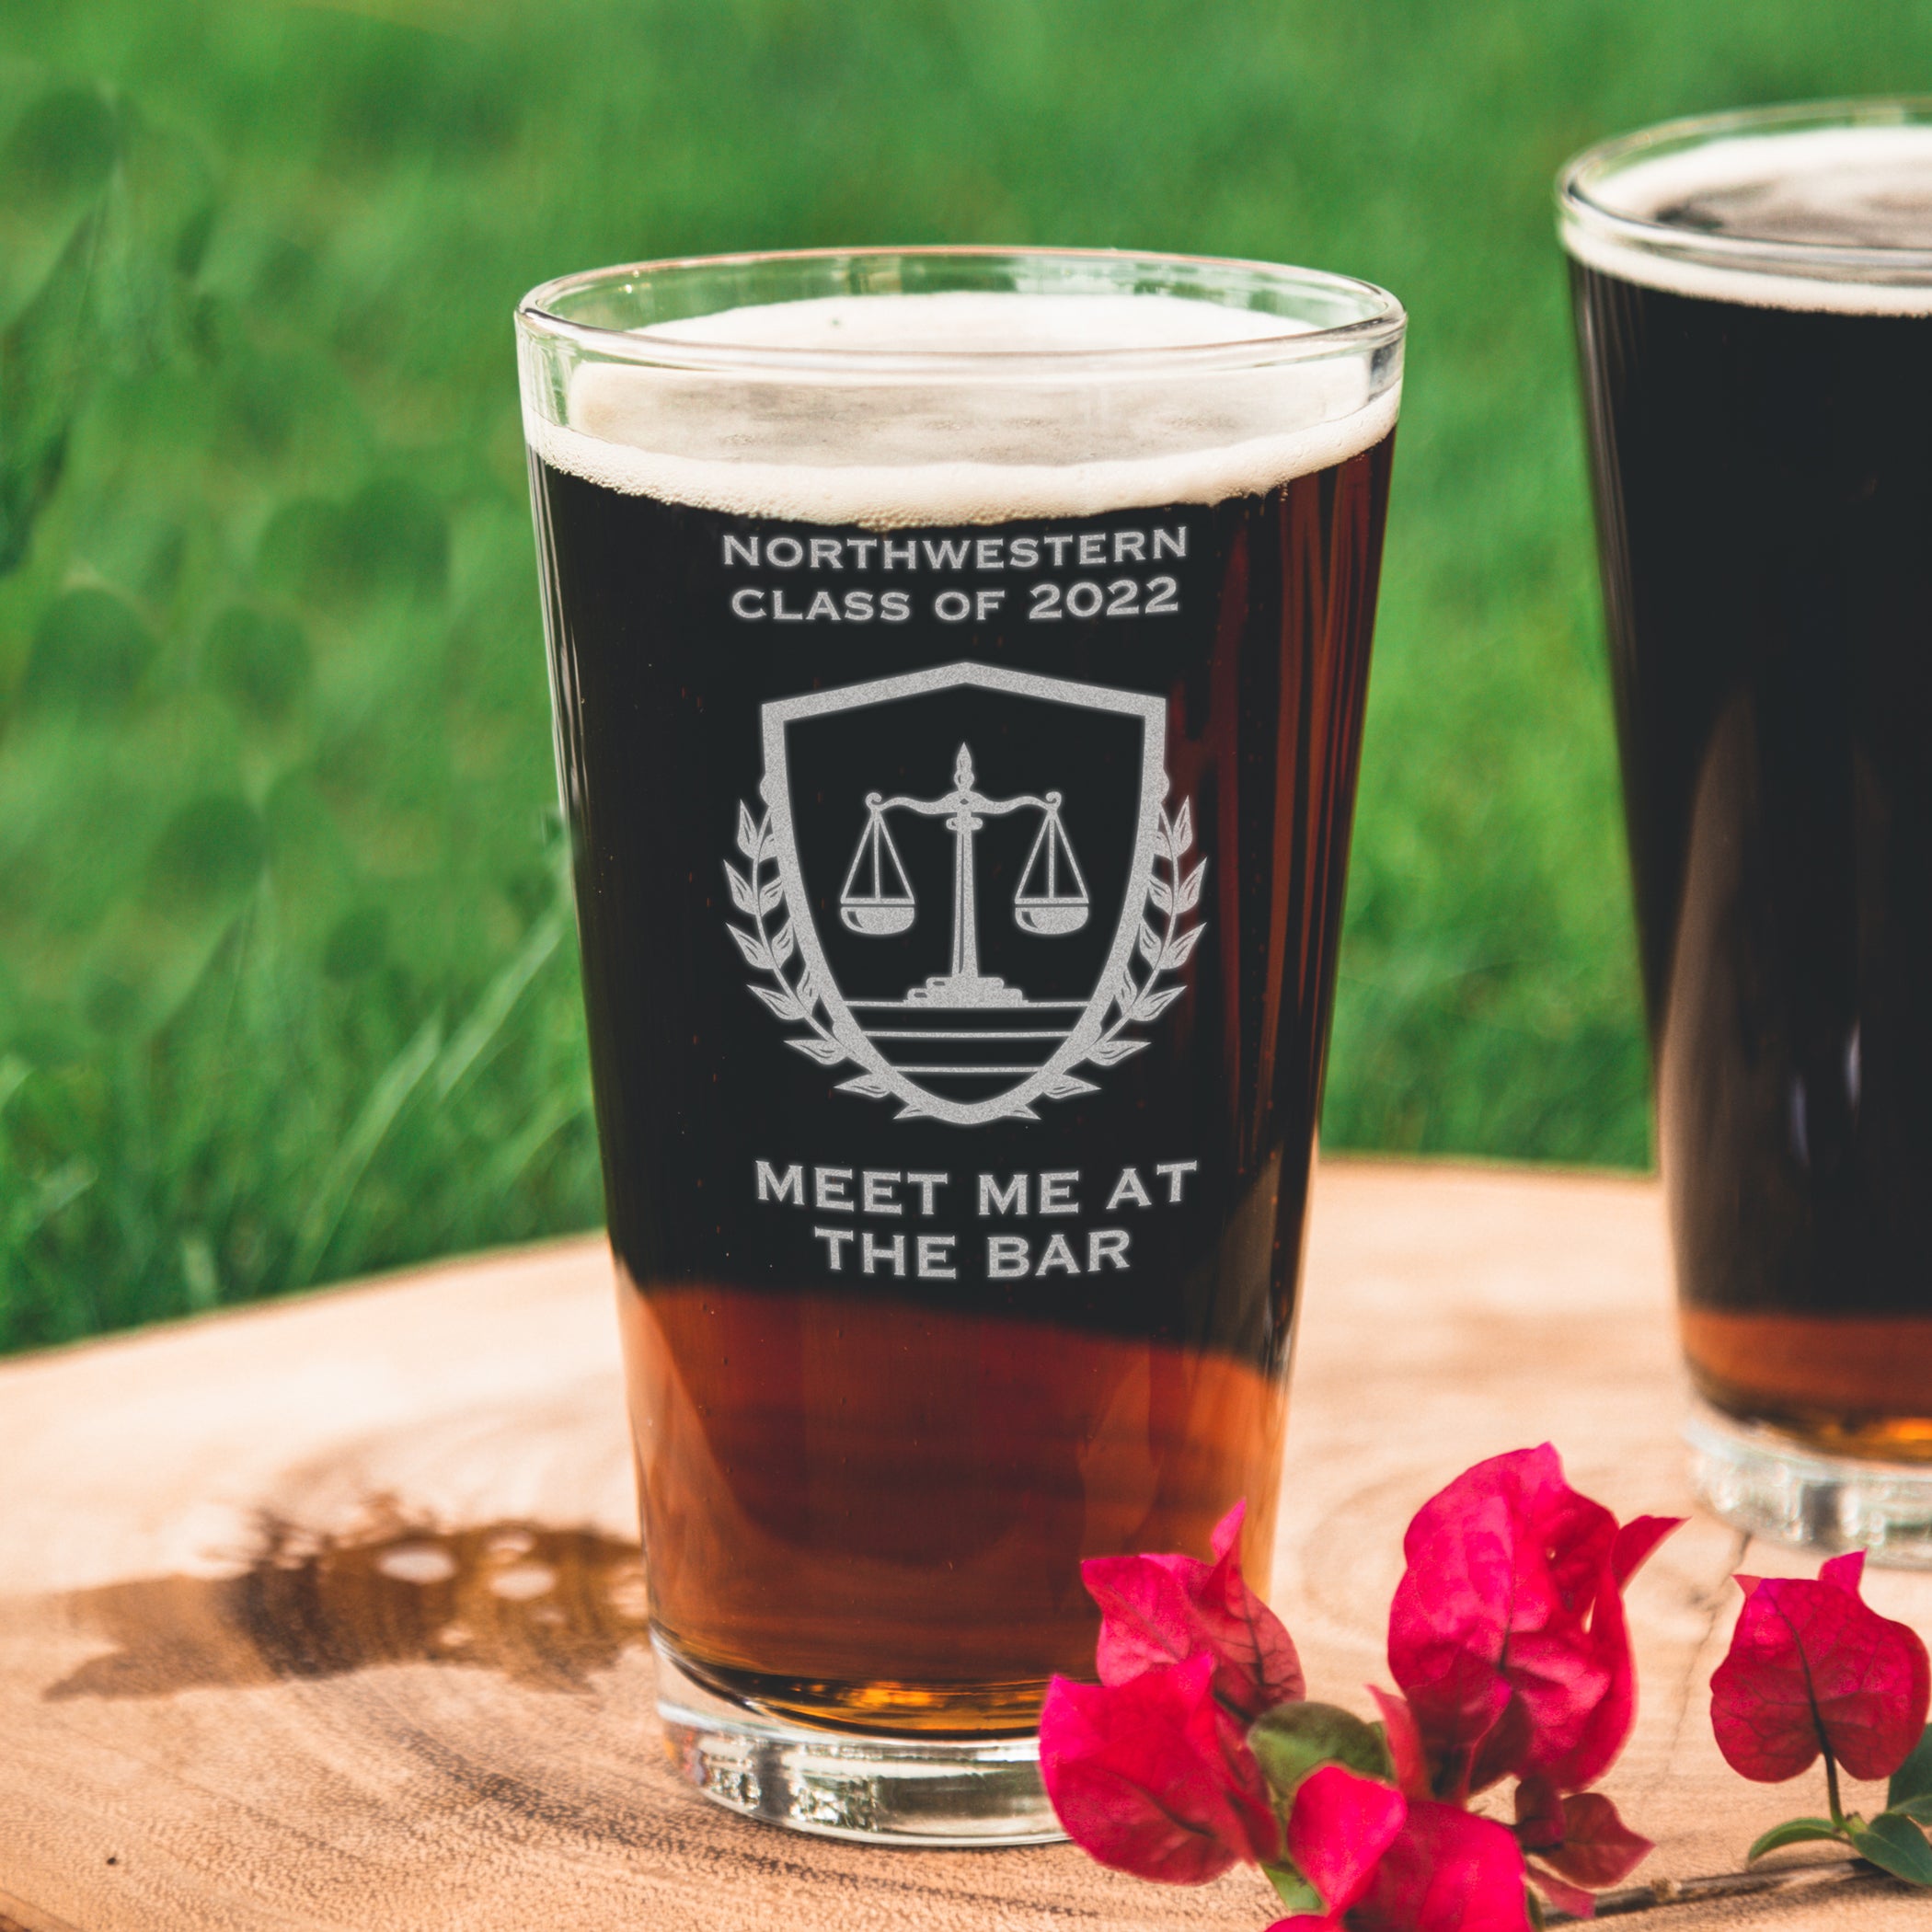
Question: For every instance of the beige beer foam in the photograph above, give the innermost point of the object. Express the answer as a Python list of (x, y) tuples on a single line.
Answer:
[(988, 448), (1871, 184)]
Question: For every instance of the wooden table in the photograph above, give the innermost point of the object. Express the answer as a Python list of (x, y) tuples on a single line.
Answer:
[(328, 1614)]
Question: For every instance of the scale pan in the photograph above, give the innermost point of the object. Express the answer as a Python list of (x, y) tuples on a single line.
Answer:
[(878, 922), (1053, 919)]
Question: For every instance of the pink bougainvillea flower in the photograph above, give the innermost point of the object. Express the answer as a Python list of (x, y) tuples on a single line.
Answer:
[(1811, 1668), (1507, 1630), (1577, 1844), (1157, 1610), (1152, 1778), (1446, 1870)]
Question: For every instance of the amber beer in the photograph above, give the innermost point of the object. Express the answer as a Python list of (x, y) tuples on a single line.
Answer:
[(958, 732), (1754, 302)]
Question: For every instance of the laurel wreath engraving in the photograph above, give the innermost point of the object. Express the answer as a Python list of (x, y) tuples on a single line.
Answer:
[(796, 1002), (1135, 1001)]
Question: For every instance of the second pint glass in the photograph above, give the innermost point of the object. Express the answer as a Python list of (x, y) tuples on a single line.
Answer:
[(1754, 300), (959, 661)]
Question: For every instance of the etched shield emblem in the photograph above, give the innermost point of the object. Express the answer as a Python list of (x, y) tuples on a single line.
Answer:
[(966, 884)]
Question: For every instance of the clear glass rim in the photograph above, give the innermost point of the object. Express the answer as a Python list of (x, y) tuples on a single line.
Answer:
[(1585, 173), (1382, 320)]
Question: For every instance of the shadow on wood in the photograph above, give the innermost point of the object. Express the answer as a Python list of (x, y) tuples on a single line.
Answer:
[(545, 1607)]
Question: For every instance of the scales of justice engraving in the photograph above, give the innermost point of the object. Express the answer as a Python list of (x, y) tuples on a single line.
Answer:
[(878, 897), (967, 1046)]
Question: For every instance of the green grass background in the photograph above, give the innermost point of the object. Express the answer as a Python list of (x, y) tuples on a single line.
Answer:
[(287, 985)]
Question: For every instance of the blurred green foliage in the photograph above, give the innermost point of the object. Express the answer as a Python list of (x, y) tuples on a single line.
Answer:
[(287, 987)]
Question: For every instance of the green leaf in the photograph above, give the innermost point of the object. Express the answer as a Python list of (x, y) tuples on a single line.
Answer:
[(387, 1098), (1918, 1809), (118, 196), (357, 943), (1894, 1845), (1296, 1893), (486, 1020), (65, 145), (1793, 1831), (262, 662), (1293, 1740), (43, 369), (1912, 1780), (212, 850), (90, 651)]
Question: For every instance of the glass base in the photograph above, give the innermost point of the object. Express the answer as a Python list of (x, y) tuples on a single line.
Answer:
[(943, 1793), (1776, 1487)]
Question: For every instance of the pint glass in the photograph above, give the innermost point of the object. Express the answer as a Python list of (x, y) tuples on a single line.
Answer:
[(958, 661), (1754, 302)]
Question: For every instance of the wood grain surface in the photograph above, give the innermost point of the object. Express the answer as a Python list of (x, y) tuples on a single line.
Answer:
[(329, 1615)]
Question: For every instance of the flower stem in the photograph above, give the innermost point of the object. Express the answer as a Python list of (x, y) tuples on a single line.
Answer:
[(1730, 1885), (1830, 1787)]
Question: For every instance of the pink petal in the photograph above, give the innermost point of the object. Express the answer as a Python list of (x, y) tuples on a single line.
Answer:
[(1448, 1870), (1342, 1823), (1453, 1683), (1405, 1743), (1636, 1540), (1259, 1664), (1598, 1848), (1566, 1683), (1157, 1610), (1575, 1753), (1572, 1898), (1146, 1619), (1811, 1667), (1143, 1777), (1227, 1534), (1539, 1815), (1847, 1572), (1246, 1789)]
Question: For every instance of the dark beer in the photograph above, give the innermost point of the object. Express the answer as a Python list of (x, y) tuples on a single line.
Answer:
[(1761, 429), (959, 737)]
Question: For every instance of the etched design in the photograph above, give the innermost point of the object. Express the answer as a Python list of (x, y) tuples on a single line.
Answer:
[(942, 1028)]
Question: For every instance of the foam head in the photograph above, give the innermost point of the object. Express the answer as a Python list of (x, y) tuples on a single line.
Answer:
[(1841, 217), (1074, 407)]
